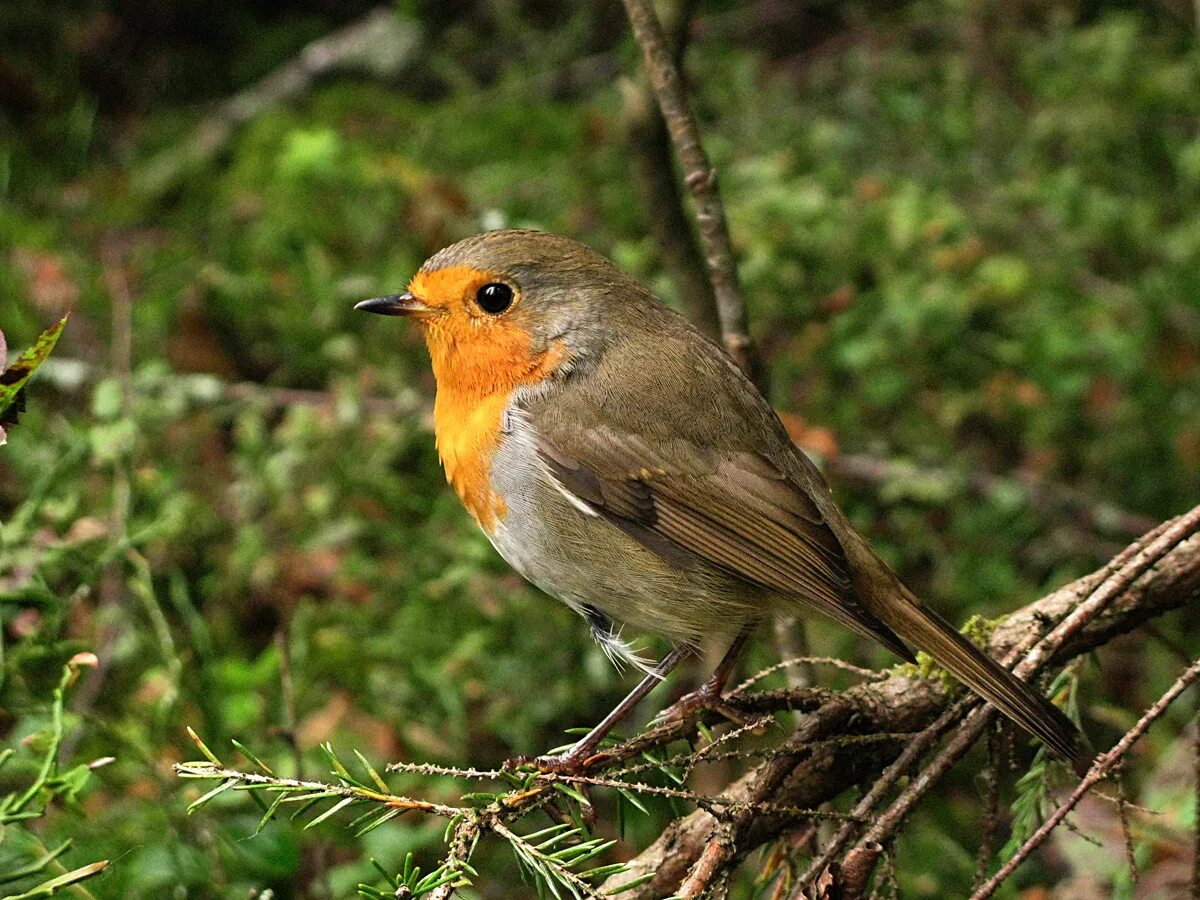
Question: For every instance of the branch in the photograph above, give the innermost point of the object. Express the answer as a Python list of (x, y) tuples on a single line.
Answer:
[(1103, 767), (1063, 501), (1123, 571), (701, 179), (972, 718), (1131, 564), (905, 703), (380, 42), (844, 738), (658, 189)]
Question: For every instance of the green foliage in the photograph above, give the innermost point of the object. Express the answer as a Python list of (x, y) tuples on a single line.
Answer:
[(24, 860), (554, 861), (14, 377), (409, 882)]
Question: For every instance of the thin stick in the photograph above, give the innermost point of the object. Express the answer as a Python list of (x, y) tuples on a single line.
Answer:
[(1196, 850), (1103, 766), (1087, 514), (1126, 568), (317, 851), (1139, 559), (111, 583), (699, 176)]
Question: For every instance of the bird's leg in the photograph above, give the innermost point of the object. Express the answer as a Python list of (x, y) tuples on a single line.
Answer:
[(578, 756), (708, 695)]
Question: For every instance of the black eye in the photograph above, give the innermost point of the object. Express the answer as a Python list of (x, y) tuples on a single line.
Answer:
[(494, 298)]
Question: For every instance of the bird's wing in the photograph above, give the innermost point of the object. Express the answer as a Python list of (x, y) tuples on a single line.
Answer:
[(733, 509)]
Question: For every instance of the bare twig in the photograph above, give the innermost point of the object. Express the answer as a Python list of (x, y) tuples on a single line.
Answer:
[(1196, 827), (722, 294), (201, 389), (973, 717), (111, 582), (842, 740), (1091, 514), (902, 703), (315, 870), (1136, 561), (658, 188), (903, 765), (849, 880), (1101, 769), (991, 809), (208, 770), (723, 847), (699, 176), (380, 42), (1126, 831), (1065, 503), (287, 702)]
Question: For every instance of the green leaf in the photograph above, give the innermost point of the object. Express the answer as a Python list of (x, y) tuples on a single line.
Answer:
[(630, 885), (572, 792), (375, 776), (270, 813), (634, 800), (13, 379), (219, 789), (67, 879), (385, 817), (208, 754), (250, 756), (341, 804)]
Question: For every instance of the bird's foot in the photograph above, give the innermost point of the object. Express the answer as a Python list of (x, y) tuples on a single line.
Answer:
[(707, 697), (574, 762)]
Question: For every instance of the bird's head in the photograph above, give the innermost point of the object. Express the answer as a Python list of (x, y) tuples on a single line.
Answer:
[(504, 307)]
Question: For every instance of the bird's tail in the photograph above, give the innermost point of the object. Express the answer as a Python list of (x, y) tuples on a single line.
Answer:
[(926, 630)]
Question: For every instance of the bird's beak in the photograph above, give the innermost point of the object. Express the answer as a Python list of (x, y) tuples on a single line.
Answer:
[(396, 305)]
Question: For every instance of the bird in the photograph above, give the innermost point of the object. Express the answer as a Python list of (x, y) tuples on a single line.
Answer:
[(620, 460)]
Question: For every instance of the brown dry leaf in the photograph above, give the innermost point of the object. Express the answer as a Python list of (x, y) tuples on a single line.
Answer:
[(194, 345), (1040, 460), (317, 727), (816, 438), (1103, 396), (1005, 388), (1187, 448), (373, 736), (153, 688), (1027, 393), (425, 742), (868, 189), (934, 230), (838, 300), (82, 530), (144, 789), (1178, 358), (310, 572), (25, 624), (50, 285), (959, 257)]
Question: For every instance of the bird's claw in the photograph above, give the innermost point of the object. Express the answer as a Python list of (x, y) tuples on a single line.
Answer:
[(569, 763), (706, 697)]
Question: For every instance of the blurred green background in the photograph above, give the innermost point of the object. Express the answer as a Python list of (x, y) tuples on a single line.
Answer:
[(969, 233)]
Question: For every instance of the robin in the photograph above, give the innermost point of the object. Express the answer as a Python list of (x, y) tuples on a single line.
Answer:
[(619, 460)]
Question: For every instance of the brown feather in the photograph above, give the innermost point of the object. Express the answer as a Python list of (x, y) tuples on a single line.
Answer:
[(734, 530)]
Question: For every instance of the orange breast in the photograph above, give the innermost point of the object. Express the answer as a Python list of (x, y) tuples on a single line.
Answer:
[(468, 432), (478, 364)]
